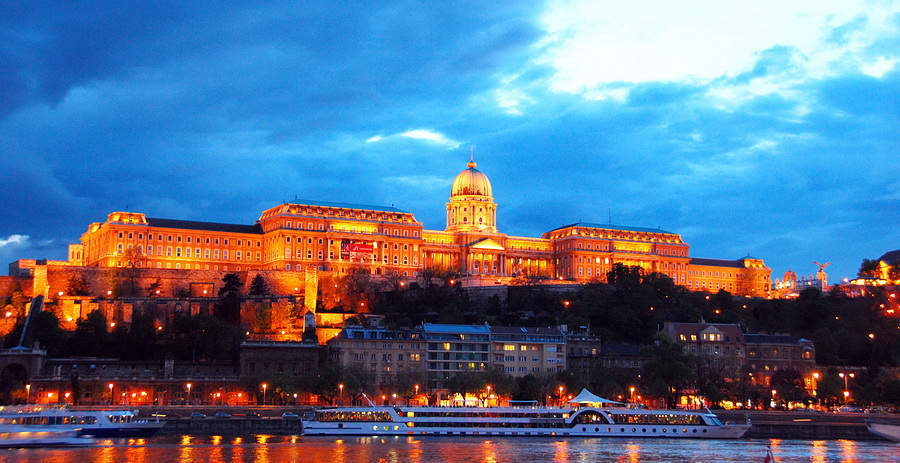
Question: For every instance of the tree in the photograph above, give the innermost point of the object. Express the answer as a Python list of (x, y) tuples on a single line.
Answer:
[(464, 382), (155, 288), (789, 384), (77, 286), (258, 287), (669, 369), (868, 268), (90, 337), (45, 330), (228, 307)]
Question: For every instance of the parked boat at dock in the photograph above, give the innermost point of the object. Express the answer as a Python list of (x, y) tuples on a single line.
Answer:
[(887, 430), (592, 417), (20, 436), (97, 423)]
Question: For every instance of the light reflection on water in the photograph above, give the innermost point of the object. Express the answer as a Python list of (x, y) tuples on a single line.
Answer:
[(272, 449)]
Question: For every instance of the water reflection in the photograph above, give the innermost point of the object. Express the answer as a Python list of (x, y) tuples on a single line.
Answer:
[(273, 448), (561, 451), (848, 450), (632, 453)]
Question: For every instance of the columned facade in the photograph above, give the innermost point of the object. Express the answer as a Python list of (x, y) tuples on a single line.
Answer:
[(348, 238)]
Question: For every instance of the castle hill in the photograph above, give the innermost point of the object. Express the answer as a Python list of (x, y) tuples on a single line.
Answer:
[(324, 303)]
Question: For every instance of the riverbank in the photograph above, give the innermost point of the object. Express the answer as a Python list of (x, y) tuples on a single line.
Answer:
[(807, 425), (803, 425)]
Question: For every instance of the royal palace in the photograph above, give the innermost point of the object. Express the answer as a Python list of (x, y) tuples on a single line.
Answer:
[(340, 238)]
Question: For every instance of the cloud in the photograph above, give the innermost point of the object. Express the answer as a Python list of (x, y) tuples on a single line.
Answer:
[(14, 240), (746, 125)]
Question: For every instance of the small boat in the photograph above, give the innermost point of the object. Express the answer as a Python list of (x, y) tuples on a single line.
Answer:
[(97, 423), (19, 436), (886, 430)]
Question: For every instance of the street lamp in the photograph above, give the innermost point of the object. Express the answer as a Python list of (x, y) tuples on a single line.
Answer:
[(341, 387), (632, 394), (27, 393), (560, 396), (189, 393), (815, 385), (264, 386), (846, 386)]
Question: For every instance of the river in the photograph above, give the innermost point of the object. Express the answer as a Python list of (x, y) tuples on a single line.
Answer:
[(274, 449)]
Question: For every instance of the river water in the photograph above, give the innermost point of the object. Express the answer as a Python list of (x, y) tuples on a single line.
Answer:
[(274, 449)]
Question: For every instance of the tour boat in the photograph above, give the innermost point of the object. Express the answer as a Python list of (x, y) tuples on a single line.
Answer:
[(594, 420), (97, 423), (887, 430), (19, 436)]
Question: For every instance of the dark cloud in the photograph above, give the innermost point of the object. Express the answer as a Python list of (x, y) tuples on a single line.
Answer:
[(218, 110)]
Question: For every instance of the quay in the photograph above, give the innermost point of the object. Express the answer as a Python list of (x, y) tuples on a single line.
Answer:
[(803, 425), (806, 425)]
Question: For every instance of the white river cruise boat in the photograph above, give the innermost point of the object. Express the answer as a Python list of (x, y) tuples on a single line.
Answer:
[(96, 423), (586, 418)]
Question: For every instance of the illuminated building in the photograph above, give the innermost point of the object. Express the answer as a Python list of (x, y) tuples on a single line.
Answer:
[(726, 350), (316, 236)]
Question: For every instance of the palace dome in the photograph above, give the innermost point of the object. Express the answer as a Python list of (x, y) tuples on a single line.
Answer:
[(471, 182)]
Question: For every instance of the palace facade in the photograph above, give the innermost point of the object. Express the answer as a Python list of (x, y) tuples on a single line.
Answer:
[(342, 238)]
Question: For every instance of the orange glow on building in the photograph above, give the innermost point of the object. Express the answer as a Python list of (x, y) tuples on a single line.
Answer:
[(347, 238)]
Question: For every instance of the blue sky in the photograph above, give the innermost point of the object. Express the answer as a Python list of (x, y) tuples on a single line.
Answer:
[(750, 127)]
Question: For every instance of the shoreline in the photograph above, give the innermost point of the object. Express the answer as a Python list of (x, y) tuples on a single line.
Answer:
[(802, 425)]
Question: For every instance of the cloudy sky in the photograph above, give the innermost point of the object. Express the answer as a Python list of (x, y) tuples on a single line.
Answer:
[(757, 127)]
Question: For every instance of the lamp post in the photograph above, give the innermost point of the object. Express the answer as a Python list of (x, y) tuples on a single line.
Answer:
[(846, 385), (28, 392), (264, 386), (488, 393), (632, 394), (417, 394), (341, 387), (560, 396), (189, 393)]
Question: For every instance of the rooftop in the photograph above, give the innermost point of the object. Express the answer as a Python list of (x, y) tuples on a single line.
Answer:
[(614, 227), (362, 207), (206, 226), (717, 262)]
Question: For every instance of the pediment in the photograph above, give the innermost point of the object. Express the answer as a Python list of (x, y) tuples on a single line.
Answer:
[(487, 243)]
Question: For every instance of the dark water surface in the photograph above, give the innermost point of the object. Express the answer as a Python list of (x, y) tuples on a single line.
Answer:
[(272, 449)]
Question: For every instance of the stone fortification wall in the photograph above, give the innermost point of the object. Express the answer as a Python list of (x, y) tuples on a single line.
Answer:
[(125, 282), (9, 284)]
